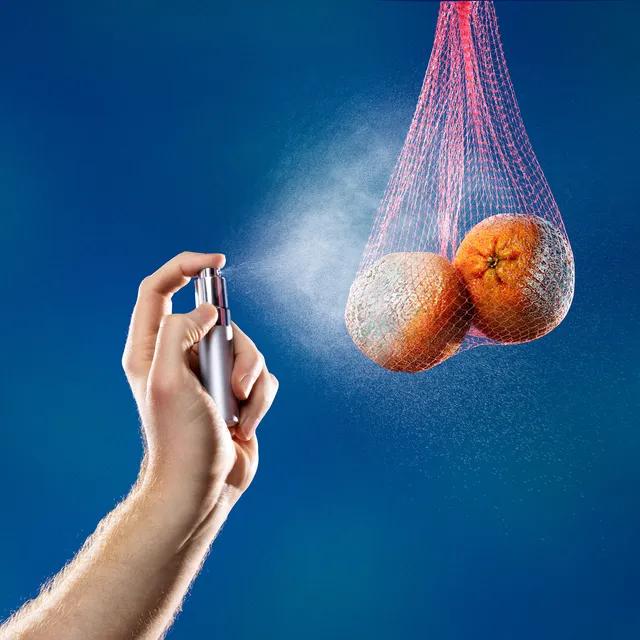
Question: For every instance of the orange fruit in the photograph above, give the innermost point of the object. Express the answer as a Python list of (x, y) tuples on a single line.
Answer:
[(409, 311), (519, 272)]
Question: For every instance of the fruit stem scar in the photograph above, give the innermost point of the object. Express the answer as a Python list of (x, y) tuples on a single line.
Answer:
[(492, 262)]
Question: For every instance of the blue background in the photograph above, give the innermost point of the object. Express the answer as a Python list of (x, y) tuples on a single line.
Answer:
[(494, 497)]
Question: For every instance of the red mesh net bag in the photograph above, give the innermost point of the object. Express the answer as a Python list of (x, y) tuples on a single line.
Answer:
[(468, 246)]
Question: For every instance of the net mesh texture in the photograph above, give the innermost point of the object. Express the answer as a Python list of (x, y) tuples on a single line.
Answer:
[(468, 246)]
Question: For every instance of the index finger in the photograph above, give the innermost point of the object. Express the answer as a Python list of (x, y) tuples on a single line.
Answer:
[(154, 302)]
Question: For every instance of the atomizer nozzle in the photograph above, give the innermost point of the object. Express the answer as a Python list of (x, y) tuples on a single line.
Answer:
[(210, 272), (211, 287)]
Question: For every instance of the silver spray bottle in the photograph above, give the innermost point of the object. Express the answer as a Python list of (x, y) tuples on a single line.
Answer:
[(216, 348)]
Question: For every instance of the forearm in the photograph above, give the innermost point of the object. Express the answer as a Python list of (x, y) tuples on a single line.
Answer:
[(130, 577)]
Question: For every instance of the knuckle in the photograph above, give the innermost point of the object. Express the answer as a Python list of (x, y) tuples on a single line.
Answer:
[(273, 389), (182, 327), (145, 284), (129, 363), (266, 394), (192, 330)]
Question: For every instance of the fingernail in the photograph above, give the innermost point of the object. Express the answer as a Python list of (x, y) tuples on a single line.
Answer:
[(245, 386)]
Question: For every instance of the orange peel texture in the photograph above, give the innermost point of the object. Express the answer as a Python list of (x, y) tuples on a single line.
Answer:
[(409, 311), (520, 274)]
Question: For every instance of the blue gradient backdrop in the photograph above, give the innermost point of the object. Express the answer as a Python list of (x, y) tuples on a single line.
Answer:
[(131, 131)]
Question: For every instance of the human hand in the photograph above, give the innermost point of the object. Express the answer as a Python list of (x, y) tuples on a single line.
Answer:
[(191, 452), (131, 576)]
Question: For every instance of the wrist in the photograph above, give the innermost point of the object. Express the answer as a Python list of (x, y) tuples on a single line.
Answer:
[(185, 508)]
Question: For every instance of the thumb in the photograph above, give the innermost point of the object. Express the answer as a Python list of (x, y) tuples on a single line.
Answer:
[(179, 332)]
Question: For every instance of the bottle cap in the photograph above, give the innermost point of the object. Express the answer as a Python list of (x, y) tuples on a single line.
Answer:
[(211, 287)]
